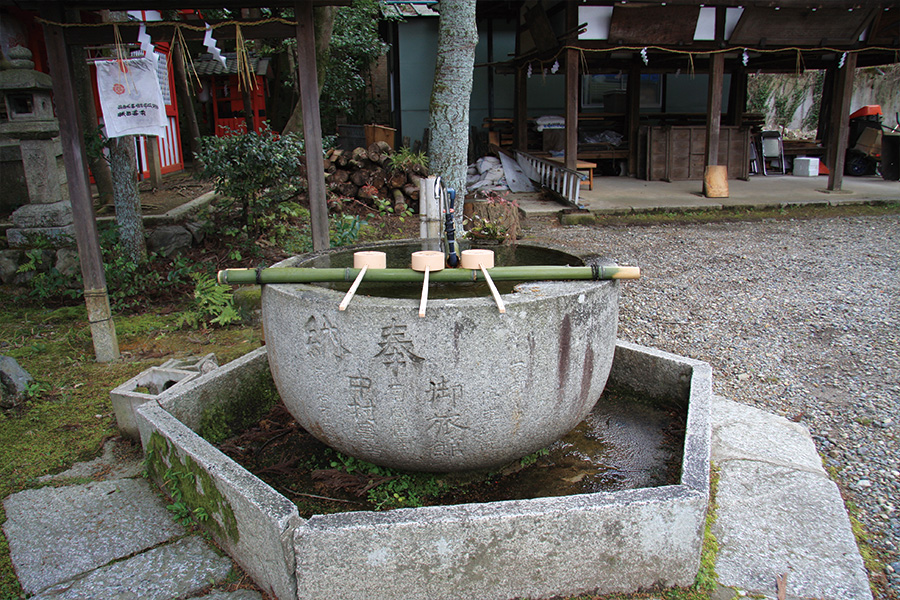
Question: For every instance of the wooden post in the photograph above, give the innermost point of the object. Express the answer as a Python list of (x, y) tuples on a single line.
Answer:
[(714, 108), (714, 93), (81, 78), (715, 178), (633, 99), (825, 104), (737, 97), (187, 103), (96, 299), (840, 122), (572, 72), (312, 124), (490, 69), (520, 108), (154, 163)]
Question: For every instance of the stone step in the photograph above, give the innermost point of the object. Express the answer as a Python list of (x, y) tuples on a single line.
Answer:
[(778, 512)]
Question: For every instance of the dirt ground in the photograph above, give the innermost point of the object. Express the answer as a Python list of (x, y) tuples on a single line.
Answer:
[(177, 189)]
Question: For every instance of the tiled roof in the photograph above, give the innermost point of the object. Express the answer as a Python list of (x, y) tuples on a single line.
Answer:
[(207, 65), (408, 9)]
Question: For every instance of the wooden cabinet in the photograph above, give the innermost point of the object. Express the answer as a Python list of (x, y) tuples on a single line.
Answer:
[(675, 153)]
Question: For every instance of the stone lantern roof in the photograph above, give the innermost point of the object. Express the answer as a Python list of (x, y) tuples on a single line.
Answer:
[(27, 94)]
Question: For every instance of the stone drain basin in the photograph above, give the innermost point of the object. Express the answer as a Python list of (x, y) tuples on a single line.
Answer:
[(601, 542)]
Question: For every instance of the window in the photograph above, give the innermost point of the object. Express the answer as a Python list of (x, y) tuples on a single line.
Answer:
[(607, 92)]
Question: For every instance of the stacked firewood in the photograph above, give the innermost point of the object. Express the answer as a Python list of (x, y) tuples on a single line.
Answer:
[(369, 173)]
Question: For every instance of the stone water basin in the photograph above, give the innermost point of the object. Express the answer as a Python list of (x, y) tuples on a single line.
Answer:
[(463, 388)]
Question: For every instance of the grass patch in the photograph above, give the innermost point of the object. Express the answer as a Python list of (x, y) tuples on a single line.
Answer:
[(871, 557), (739, 214), (69, 415)]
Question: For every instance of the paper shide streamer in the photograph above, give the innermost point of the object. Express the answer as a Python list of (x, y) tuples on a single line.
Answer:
[(147, 44), (210, 42)]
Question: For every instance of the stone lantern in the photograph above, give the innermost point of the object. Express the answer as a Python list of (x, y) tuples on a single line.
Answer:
[(30, 124)]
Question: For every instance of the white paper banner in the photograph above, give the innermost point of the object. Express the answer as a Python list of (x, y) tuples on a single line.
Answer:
[(132, 103)]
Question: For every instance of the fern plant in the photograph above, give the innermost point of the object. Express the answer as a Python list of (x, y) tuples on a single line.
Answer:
[(213, 304)]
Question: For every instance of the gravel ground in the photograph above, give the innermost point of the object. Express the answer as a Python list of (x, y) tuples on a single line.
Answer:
[(797, 317)]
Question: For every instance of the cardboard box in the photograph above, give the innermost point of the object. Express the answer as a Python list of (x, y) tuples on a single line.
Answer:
[(869, 142), (380, 133), (806, 167)]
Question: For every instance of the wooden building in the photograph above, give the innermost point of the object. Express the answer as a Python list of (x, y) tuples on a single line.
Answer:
[(633, 68), (656, 88)]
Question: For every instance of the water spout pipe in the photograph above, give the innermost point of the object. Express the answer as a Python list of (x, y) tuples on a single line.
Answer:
[(430, 208), (450, 230)]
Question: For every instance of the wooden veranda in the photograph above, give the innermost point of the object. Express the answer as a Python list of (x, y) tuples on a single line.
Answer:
[(713, 37)]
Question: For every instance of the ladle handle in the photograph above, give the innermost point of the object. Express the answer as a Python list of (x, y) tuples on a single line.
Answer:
[(424, 299), (500, 306), (352, 290)]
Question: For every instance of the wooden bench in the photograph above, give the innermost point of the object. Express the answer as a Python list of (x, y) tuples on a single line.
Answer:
[(580, 165)]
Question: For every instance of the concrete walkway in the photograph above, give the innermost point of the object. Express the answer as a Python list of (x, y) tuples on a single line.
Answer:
[(612, 195), (778, 514)]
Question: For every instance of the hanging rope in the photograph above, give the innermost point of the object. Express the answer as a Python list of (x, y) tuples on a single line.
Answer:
[(187, 61), (584, 51), (119, 46), (245, 75), (173, 23)]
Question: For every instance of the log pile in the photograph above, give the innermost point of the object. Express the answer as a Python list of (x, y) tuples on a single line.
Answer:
[(366, 173)]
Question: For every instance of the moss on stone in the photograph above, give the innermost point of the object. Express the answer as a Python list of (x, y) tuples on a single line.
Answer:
[(247, 301), (578, 219), (188, 483), (221, 421)]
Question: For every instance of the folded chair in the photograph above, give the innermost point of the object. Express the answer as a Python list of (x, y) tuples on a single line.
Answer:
[(772, 149)]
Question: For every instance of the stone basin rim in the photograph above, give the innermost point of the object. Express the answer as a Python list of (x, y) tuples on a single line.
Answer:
[(519, 293)]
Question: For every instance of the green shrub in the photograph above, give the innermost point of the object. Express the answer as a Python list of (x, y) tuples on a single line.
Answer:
[(127, 282), (255, 170)]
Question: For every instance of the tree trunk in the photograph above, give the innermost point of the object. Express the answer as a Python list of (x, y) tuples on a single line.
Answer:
[(247, 98), (127, 199), (323, 17), (123, 165), (450, 95)]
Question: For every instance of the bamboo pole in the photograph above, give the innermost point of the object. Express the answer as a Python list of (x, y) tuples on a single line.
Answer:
[(521, 273)]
